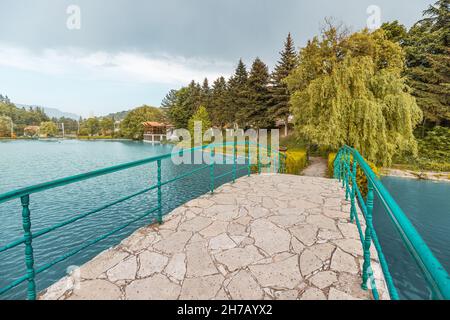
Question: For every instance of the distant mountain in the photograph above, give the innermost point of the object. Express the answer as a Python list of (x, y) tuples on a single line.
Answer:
[(52, 112)]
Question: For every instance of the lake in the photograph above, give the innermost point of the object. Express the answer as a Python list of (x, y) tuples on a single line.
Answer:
[(24, 163), (427, 205)]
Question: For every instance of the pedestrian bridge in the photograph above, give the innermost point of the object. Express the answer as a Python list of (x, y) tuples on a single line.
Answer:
[(262, 236)]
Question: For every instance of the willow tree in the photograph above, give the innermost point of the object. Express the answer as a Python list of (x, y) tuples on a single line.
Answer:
[(356, 96)]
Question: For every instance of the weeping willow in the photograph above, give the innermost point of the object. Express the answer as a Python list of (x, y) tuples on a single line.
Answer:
[(360, 104)]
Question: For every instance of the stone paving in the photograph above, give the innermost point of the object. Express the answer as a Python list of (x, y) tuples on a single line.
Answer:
[(317, 167), (263, 237)]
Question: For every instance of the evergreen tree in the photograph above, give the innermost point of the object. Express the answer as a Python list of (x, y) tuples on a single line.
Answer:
[(206, 95), (219, 99), (237, 94), (256, 113), (428, 61), (279, 91), (184, 104)]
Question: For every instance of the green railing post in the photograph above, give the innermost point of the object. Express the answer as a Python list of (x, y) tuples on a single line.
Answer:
[(211, 169), (29, 258), (249, 166), (159, 192), (347, 176), (353, 192), (368, 235)]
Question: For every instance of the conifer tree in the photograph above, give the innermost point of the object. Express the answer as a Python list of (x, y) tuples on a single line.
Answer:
[(256, 113), (237, 93), (219, 99), (428, 61), (280, 95)]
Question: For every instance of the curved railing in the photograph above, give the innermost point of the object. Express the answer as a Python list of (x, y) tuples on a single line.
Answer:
[(276, 161), (346, 165)]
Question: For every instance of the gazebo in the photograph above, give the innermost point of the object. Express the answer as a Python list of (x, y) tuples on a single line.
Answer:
[(155, 132)]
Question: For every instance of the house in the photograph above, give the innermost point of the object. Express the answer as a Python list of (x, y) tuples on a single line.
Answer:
[(156, 132), (31, 131)]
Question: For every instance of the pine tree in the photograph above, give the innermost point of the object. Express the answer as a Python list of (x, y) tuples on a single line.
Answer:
[(206, 95), (428, 61), (256, 113), (219, 99), (237, 93), (279, 102)]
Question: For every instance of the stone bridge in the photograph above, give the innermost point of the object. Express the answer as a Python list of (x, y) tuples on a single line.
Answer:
[(263, 237)]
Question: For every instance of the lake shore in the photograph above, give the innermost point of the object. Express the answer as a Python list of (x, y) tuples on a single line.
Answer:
[(420, 175)]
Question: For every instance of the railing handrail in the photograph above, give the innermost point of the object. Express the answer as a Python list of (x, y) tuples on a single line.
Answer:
[(24, 195), (435, 274), (17, 193)]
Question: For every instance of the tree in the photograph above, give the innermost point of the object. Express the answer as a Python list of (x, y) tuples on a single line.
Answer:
[(280, 95), (206, 94), (48, 129), (107, 126), (219, 99), (428, 61), (132, 126), (395, 31), (256, 113), (92, 126), (201, 115), (237, 94), (184, 105), (356, 97), (5, 126)]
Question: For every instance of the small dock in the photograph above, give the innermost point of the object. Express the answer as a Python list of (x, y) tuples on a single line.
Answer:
[(263, 237)]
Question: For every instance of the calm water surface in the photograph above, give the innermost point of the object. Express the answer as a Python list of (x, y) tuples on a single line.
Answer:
[(427, 205), (24, 163)]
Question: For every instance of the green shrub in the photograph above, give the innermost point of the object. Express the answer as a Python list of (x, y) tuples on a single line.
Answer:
[(296, 161)]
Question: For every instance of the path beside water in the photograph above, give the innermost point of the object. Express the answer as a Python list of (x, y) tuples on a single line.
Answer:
[(263, 237)]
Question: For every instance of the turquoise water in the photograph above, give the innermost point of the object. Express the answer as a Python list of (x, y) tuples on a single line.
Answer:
[(24, 163), (427, 205)]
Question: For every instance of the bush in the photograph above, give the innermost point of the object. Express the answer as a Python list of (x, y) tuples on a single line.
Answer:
[(296, 161), (361, 179), (331, 157)]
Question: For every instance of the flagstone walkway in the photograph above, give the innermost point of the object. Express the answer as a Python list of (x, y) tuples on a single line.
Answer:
[(263, 237)]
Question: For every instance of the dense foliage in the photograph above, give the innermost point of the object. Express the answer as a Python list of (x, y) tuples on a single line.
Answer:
[(428, 61), (131, 127), (349, 90)]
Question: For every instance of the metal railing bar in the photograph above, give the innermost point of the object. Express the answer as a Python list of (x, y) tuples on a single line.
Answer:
[(74, 219), (435, 274), (75, 251)]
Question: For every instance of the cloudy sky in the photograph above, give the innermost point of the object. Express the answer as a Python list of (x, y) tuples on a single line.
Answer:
[(128, 53)]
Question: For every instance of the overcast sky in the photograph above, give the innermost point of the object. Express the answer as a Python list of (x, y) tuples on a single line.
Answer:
[(128, 53)]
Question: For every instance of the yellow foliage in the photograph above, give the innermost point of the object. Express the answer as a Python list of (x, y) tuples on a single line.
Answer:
[(331, 157), (296, 161)]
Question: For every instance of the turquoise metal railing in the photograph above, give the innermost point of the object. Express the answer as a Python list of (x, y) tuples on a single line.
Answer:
[(346, 165), (275, 159)]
